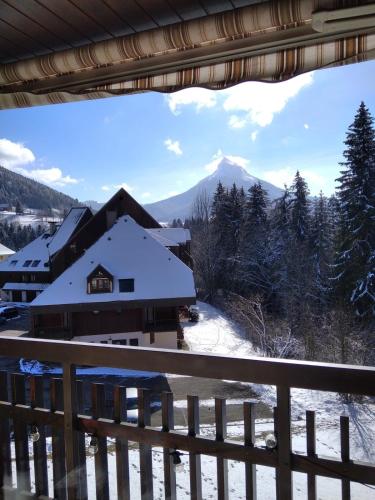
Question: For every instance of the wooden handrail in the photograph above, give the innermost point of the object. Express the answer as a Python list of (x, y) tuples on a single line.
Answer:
[(268, 371)]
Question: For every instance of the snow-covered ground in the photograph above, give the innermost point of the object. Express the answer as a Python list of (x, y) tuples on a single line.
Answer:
[(25, 219), (215, 333)]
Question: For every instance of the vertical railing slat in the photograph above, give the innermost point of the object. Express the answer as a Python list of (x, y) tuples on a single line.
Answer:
[(21, 439), (169, 468), (221, 463), (311, 452), (101, 456), (122, 446), (58, 444), (194, 458), (5, 453), (81, 444), (145, 450), (345, 454), (249, 435), (40, 452), (284, 487)]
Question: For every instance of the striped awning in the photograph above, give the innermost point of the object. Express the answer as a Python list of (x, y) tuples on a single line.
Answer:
[(269, 41)]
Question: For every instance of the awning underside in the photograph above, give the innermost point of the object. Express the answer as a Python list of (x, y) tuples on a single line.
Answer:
[(268, 41)]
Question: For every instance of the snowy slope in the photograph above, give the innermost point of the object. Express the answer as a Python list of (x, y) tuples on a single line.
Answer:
[(217, 334), (227, 172)]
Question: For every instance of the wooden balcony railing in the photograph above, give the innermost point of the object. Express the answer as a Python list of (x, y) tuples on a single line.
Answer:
[(68, 426)]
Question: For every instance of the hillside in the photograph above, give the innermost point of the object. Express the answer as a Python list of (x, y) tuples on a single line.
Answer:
[(31, 194), (227, 172)]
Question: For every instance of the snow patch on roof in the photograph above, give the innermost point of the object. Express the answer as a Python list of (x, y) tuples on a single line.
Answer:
[(25, 286), (5, 250), (32, 253), (129, 252), (66, 229), (177, 234)]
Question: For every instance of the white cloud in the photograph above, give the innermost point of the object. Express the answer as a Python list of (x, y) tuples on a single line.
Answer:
[(306, 125), (280, 177), (13, 154), (218, 156), (200, 98), (262, 101), (172, 193), (236, 122), (254, 135), (106, 188), (51, 176), (146, 195), (286, 175), (125, 186), (173, 146)]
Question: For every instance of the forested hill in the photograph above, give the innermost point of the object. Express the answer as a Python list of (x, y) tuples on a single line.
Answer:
[(31, 194)]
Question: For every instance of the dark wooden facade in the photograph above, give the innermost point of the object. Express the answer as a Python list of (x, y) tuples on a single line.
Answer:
[(24, 277), (100, 322), (120, 204)]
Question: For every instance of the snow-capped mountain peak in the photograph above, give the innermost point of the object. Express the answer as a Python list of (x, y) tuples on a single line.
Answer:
[(228, 168), (227, 171)]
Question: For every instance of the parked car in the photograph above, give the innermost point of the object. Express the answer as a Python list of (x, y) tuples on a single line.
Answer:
[(194, 313), (2, 321), (9, 312)]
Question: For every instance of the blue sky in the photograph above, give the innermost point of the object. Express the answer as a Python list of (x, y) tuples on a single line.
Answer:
[(158, 145)]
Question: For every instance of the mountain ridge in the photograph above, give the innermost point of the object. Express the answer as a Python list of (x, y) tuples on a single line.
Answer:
[(30, 193), (227, 171)]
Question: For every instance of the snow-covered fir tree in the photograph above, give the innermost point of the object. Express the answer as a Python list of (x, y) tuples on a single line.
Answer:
[(355, 263), (254, 235), (300, 208), (321, 248)]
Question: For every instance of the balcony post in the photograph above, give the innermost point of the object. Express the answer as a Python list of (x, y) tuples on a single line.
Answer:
[(284, 490), (70, 415)]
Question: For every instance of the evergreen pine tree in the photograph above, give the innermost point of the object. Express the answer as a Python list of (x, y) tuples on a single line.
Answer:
[(300, 208), (321, 247), (254, 241), (355, 264)]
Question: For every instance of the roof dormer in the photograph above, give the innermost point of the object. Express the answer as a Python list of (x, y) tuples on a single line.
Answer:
[(99, 281)]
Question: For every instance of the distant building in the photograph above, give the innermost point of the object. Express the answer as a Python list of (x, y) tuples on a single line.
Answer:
[(5, 252), (119, 278), (124, 279), (30, 270), (5, 207)]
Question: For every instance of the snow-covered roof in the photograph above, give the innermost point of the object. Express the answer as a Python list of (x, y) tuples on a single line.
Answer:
[(35, 256), (5, 250), (25, 286), (30, 258), (177, 234), (161, 239), (129, 252), (66, 229)]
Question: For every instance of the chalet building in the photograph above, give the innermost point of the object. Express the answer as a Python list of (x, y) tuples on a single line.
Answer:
[(29, 271), (126, 286), (5, 252)]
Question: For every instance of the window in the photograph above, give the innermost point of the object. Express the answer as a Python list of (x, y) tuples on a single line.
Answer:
[(35, 263), (133, 342), (100, 285), (120, 342), (126, 285), (27, 263), (13, 262), (32, 277), (99, 281)]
